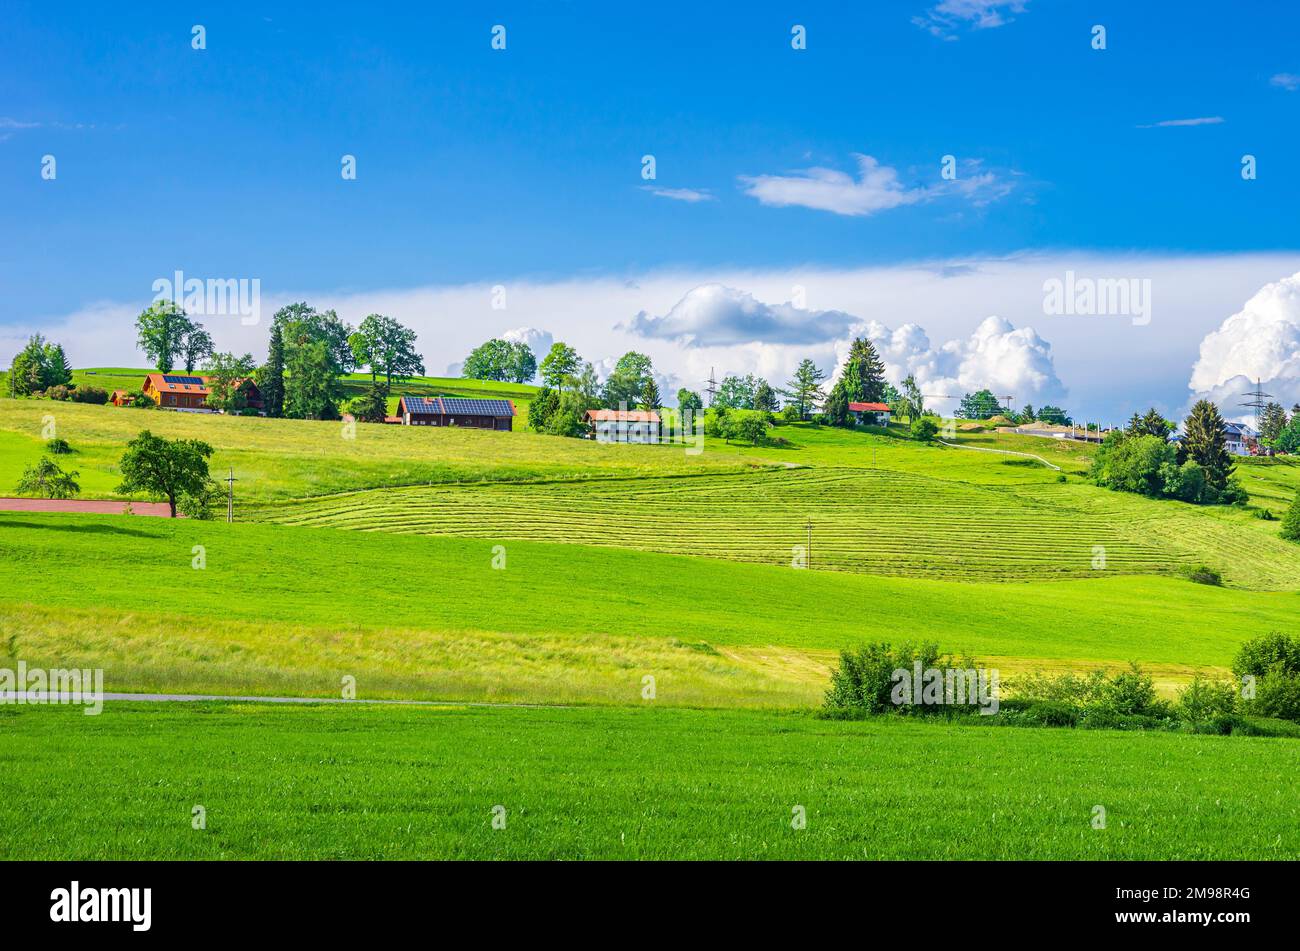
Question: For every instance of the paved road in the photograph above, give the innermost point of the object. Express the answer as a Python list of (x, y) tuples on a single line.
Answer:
[(37, 698)]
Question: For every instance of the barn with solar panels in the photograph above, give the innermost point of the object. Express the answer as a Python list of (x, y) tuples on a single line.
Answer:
[(456, 411)]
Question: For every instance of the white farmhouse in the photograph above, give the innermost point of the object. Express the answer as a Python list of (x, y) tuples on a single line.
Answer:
[(620, 425)]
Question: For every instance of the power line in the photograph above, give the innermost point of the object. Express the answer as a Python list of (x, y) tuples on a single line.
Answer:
[(1257, 402), (712, 388)]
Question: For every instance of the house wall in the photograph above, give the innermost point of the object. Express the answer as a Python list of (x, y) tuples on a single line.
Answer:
[(609, 430), (502, 423)]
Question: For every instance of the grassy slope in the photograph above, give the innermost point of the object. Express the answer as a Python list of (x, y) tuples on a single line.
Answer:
[(421, 783), (284, 458), (292, 610), (975, 516)]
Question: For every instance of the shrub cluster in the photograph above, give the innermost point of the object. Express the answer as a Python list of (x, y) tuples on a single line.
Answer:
[(864, 682), (1268, 669)]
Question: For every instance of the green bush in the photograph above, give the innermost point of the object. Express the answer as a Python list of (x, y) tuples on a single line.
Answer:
[(1131, 693), (1051, 713), (58, 447), (59, 392), (1202, 574), (1205, 700), (1291, 522), (1262, 655), (89, 394), (1277, 694), (863, 683), (924, 429)]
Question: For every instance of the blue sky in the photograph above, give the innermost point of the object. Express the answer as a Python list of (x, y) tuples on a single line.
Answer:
[(483, 166)]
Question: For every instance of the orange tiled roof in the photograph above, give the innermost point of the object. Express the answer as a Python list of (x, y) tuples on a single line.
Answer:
[(626, 416)]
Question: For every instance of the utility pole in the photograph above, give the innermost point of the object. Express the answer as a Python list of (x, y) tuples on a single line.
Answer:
[(712, 388), (1257, 403), (230, 497)]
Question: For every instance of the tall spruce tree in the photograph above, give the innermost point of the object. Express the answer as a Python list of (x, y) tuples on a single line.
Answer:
[(272, 376), (650, 395), (804, 390), (864, 375), (1273, 421), (1205, 441)]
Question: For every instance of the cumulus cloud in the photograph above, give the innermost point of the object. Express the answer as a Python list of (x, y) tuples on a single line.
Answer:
[(539, 341), (947, 17), (996, 355), (1110, 366), (1259, 342), (680, 194), (1288, 81), (877, 188), (716, 315), (769, 339)]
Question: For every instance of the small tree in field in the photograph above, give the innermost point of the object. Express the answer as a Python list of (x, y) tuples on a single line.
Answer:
[(1291, 522), (46, 480), (170, 469), (750, 425), (924, 429)]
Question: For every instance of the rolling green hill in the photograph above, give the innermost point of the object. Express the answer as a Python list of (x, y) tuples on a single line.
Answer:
[(290, 610)]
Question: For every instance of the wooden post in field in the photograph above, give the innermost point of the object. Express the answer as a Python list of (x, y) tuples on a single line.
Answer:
[(230, 496)]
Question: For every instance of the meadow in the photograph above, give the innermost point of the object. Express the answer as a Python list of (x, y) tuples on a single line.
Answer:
[(289, 458), (282, 610), (355, 782), (459, 567)]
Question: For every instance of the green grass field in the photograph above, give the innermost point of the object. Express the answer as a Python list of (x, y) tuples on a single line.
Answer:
[(421, 783), (282, 610), (373, 558), (286, 458)]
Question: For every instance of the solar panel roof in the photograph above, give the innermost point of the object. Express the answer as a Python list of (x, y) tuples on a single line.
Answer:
[(190, 380), (457, 406)]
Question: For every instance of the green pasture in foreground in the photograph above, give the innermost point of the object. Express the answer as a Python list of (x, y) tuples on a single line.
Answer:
[(280, 609), (320, 782)]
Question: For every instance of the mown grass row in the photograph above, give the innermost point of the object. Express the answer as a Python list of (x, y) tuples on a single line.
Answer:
[(872, 521)]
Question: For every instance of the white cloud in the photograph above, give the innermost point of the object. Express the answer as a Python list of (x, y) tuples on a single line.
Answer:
[(877, 188), (1259, 342), (1288, 81), (680, 194), (1109, 366), (715, 315), (1171, 123), (539, 341), (995, 355), (948, 16)]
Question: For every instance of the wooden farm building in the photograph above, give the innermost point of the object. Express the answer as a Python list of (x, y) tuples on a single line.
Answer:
[(185, 391), (456, 411), (177, 390)]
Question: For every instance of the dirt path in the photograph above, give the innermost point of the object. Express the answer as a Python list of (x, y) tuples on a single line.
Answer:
[(1001, 452), (85, 506)]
